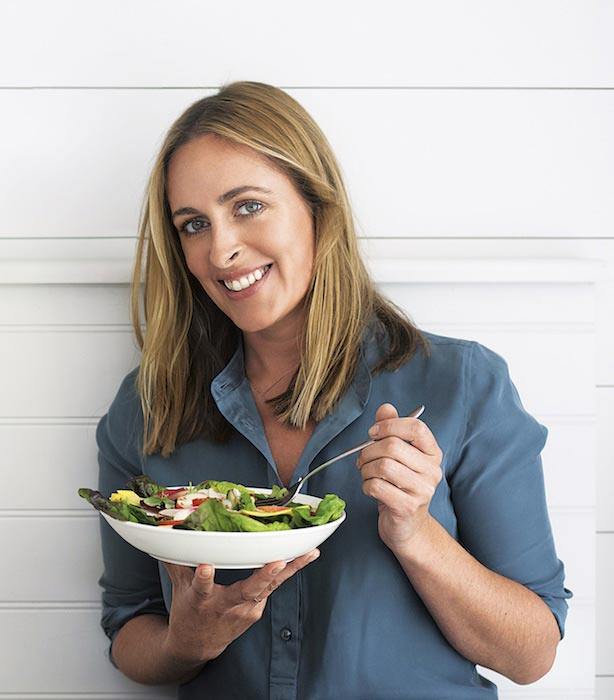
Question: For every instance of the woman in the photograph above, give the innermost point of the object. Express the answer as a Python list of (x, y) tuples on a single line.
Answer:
[(267, 350)]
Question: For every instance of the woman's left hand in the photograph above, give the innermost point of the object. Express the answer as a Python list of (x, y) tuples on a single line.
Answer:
[(401, 476)]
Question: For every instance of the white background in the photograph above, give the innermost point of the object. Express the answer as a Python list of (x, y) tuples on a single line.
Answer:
[(477, 144)]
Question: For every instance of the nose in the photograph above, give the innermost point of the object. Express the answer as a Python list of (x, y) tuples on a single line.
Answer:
[(226, 246)]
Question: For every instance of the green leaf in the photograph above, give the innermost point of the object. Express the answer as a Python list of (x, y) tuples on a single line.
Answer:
[(116, 509), (213, 516), (247, 502), (157, 501), (330, 508), (222, 487), (144, 486)]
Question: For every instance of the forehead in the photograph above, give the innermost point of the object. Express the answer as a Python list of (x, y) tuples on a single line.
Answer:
[(214, 165)]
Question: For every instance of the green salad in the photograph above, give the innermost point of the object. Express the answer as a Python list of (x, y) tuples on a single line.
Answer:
[(218, 506)]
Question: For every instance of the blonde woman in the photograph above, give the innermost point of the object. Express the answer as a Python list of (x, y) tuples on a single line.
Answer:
[(267, 349)]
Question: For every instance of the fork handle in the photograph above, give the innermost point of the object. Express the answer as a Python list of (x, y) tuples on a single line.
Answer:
[(334, 459), (413, 414), (294, 488)]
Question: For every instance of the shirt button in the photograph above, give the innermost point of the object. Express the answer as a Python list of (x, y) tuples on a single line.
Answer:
[(286, 634)]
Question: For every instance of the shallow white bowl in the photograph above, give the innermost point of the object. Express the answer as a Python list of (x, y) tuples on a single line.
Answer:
[(226, 550)]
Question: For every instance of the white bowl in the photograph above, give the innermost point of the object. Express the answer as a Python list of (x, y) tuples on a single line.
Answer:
[(226, 550)]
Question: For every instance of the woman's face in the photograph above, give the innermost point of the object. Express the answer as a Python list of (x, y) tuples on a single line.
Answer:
[(251, 250)]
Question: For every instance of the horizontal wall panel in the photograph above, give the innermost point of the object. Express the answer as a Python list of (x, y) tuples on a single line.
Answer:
[(437, 43), (59, 457), (61, 544), (499, 160), (605, 459), (55, 559), (572, 674), (532, 693), (65, 304), (605, 327), (52, 459), (452, 303), (568, 460), (604, 688), (155, 695), (574, 537), (70, 654), (475, 249), (605, 603), (63, 374)]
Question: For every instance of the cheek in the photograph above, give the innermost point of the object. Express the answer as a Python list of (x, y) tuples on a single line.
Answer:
[(194, 260)]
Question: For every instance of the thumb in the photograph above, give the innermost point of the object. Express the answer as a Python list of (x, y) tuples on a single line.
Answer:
[(386, 411), (203, 580)]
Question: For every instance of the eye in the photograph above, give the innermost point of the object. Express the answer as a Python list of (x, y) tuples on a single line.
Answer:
[(251, 203), (192, 226)]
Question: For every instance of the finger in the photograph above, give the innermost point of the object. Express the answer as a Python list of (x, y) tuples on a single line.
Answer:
[(386, 411), (290, 569), (203, 580), (411, 429), (251, 590), (397, 474), (179, 574), (393, 448), (262, 583), (296, 565), (398, 501)]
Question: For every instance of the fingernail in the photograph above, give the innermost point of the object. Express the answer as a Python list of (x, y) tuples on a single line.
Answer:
[(374, 430), (278, 569), (205, 571), (314, 556)]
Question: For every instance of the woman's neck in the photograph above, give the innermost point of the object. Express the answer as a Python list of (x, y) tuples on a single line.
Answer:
[(270, 356)]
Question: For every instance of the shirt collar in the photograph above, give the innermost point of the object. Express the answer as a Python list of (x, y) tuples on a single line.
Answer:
[(232, 394)]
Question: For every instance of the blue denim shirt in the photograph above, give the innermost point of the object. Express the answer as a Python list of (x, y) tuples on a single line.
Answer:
[(351, 625)]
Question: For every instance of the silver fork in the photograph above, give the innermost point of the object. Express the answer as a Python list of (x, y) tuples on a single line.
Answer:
[(293, 489)]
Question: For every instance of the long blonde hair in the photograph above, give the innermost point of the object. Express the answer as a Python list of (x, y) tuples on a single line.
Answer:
[(188, 340)]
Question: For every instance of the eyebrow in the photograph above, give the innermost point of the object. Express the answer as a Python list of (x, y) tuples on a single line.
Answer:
[(224, 198)]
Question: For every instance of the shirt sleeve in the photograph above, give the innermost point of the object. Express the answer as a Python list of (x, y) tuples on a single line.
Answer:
[(497, 484), (130, 581)]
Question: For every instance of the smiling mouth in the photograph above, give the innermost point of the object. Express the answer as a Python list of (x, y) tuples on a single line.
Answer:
[(247, 281)]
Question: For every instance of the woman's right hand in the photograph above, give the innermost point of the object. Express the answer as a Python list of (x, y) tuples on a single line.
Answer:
[(206, 617)]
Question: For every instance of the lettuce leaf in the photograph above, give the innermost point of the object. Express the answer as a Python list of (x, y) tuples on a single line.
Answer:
[(219, 486), (329, 509), (212, 516), (144, 486), (116, 509)]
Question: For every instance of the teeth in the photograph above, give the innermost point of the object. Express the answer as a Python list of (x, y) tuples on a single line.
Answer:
[(245, 282)]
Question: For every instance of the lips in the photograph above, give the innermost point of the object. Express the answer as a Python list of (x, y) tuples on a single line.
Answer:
[(246, 281)]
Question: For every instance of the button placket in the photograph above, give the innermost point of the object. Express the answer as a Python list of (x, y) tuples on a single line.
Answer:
[(285, 640)]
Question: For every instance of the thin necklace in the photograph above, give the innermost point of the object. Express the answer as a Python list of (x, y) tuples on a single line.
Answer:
[(275, 383)]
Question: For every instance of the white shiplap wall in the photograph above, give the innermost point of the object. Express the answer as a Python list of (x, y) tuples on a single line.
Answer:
[(476, 140)]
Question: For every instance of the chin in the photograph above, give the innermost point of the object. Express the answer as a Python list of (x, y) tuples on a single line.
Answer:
[(254, 327)]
